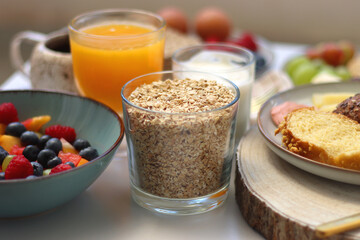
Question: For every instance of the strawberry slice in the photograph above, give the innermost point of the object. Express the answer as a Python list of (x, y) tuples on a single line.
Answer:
[(60, 168), (69, 157), (16, 150)]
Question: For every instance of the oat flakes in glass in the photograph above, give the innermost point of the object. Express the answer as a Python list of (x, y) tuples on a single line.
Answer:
[(180, 132)]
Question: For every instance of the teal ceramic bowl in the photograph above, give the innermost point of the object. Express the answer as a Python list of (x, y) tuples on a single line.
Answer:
[(93, 121)]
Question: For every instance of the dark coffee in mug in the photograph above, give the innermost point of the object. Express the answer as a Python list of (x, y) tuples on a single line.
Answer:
[(50, 64)]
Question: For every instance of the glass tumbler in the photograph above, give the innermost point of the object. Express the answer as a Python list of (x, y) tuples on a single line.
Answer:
[(111, 47), (179, 162), (234, 63)]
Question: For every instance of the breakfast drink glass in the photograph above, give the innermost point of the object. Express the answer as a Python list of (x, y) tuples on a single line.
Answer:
[(111, 47), (231, 62), (180, 139)]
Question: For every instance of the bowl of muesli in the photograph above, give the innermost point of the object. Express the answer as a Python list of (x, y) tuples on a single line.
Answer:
[(180, 128)]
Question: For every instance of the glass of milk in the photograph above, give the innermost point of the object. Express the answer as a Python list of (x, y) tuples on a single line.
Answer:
[(234, 63)]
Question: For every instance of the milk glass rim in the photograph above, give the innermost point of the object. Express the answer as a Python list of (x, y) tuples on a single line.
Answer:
[(115, 10), (249, 63), (235, 100)]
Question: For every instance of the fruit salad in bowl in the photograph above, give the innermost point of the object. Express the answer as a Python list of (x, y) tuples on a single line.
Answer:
[(52, 147), (26, 152), (323, 63)]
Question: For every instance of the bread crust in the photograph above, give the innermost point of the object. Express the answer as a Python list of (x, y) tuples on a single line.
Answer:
[(312, 151)]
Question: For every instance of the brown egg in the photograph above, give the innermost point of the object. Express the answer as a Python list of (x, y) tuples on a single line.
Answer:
[(175, 18), (212, 22)]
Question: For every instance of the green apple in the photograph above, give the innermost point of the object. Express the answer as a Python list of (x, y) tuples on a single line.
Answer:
[(343, 73), (295, 63), (319, 63), (304, 73), (328, 69)]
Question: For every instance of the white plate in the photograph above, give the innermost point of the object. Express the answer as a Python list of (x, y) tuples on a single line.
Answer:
[(303, 95)]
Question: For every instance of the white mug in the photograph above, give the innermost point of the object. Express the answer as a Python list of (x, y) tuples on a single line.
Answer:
[(50, 60)]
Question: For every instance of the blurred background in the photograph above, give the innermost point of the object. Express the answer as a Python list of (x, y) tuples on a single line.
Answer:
[(306, 21)]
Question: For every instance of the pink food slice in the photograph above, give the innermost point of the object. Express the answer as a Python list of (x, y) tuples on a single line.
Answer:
[(279, 112)]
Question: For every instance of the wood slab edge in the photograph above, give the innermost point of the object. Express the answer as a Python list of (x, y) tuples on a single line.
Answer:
[(260, 216)]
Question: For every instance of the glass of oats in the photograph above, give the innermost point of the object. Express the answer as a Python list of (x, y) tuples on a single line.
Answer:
[(180, 134)]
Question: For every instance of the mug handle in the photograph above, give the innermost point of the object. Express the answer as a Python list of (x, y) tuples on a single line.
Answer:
[(29, 37)]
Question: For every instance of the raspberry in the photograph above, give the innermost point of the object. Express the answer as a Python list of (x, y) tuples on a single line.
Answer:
[(212, 39), (59, 131), (60, 168), (232, 42), (16, 150), (8, 113), (19, 167), (248, 41)]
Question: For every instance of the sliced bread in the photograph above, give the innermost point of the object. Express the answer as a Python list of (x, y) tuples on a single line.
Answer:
[(322, 136)]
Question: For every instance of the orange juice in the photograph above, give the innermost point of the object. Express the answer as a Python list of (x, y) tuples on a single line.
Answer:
[(107, 56)]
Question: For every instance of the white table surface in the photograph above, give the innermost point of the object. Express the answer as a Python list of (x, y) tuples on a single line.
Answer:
[(106, 211)]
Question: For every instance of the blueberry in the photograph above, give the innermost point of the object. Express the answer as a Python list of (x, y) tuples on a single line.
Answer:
[(54, 162), (54, 144), (260, 62), (31, 177), (31, 152), (71, 164), (38, 168), (89, 153), (3, 154), (44, 156), (2, 175), (15, 129), (79, 144), (43, 140), (29, 138)]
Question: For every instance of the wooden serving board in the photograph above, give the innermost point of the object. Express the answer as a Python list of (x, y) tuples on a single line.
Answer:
[(283, 202)]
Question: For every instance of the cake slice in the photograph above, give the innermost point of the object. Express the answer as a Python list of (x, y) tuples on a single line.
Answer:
[(322, 136)]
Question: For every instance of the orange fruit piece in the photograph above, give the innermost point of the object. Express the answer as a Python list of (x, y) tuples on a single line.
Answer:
[(35, 123), (82, 161), (7, 142), (2, 128), (67, 147)]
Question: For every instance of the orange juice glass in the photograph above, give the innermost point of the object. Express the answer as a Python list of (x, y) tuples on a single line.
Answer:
[(111, 47)]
